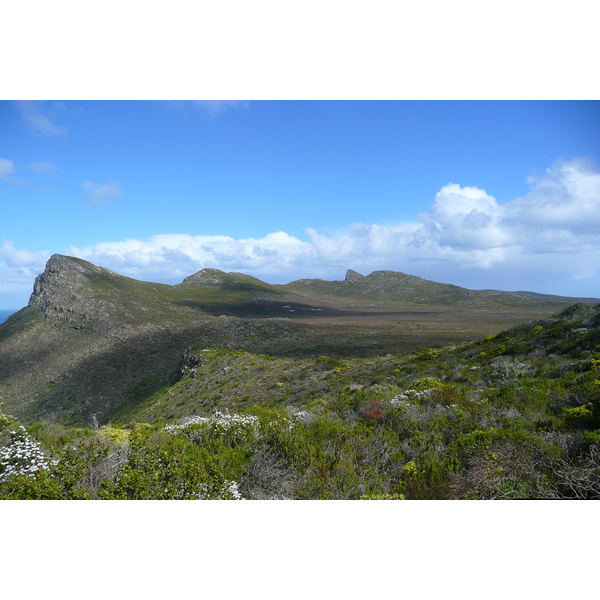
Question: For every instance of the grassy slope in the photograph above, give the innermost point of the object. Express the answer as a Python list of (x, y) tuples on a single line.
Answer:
[(514, 415), (511, 416), (109, 342), (394, 286), (218, 379)]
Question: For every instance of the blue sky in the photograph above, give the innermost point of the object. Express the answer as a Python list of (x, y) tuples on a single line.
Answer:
[(483, 194)]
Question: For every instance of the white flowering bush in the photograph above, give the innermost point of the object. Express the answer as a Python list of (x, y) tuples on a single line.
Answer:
[(22, 456), (220, 422), (228, 490), (405, 398), (231, 427), (281, 423), (303, 417)]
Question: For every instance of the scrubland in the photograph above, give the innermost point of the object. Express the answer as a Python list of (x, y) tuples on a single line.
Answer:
[(515, 415)]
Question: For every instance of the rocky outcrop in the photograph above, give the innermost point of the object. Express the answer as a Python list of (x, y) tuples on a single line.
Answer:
[(57, 291), (352, 275), (207, 277)]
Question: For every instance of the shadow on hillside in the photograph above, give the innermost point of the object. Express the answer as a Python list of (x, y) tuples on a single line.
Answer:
[(131, 370), (228, 309), (300, 310), (263, 309), (296, 310)]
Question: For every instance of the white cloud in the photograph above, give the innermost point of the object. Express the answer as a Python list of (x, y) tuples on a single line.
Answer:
[(7, 167), (33, 113), (566, 198), (101, 193), (18, 269), (175, 256), (467, 218), (22, 258), (546, 241)]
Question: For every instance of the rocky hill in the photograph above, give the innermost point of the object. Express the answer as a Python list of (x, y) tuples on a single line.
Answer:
[(92, 342), (392, 286)]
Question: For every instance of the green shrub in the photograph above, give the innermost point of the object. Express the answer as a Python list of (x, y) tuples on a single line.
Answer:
[(429, 354), (572, 310), (579, 417), (507, 370), (115, 435), (426, 383), (163, 466), (381, 496), (426, 478), (590, 438), (5, 420), (505, 470)]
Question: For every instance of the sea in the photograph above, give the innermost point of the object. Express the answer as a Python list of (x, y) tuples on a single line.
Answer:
[(5, 313)]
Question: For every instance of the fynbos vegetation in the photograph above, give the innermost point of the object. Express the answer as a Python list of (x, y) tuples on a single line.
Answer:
[(514, 415)]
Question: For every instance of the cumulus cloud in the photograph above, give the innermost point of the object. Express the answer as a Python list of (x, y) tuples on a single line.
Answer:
[(18, 269), (466, 218), (34, 113), (22, 258), (101, 193), (546, 241), (7, 167), (174, 256), (565, 198)]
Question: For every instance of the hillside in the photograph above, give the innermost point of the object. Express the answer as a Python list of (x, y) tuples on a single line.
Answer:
[(218, 379), (514, 415), (93, 344), (391, 286)]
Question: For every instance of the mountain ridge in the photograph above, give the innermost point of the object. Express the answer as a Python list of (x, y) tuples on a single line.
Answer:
[(395, 285), (91, 341), (69, 274)]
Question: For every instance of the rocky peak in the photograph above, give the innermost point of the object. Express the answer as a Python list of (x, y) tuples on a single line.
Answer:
[(216, 278), (61, 289), (207, 276), (353, 275), (63, 276)]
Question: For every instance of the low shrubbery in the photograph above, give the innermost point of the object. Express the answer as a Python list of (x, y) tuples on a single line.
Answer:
[(21, 456), (456, 425)]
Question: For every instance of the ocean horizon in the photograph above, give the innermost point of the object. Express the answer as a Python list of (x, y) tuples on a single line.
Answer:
[(5, 313)]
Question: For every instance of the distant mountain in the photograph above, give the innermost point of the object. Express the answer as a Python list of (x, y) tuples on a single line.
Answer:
[(92, 341), (392, 286)]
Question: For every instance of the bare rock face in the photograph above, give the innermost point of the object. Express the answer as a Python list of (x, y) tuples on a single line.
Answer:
[(57, 290), (353, 275)]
